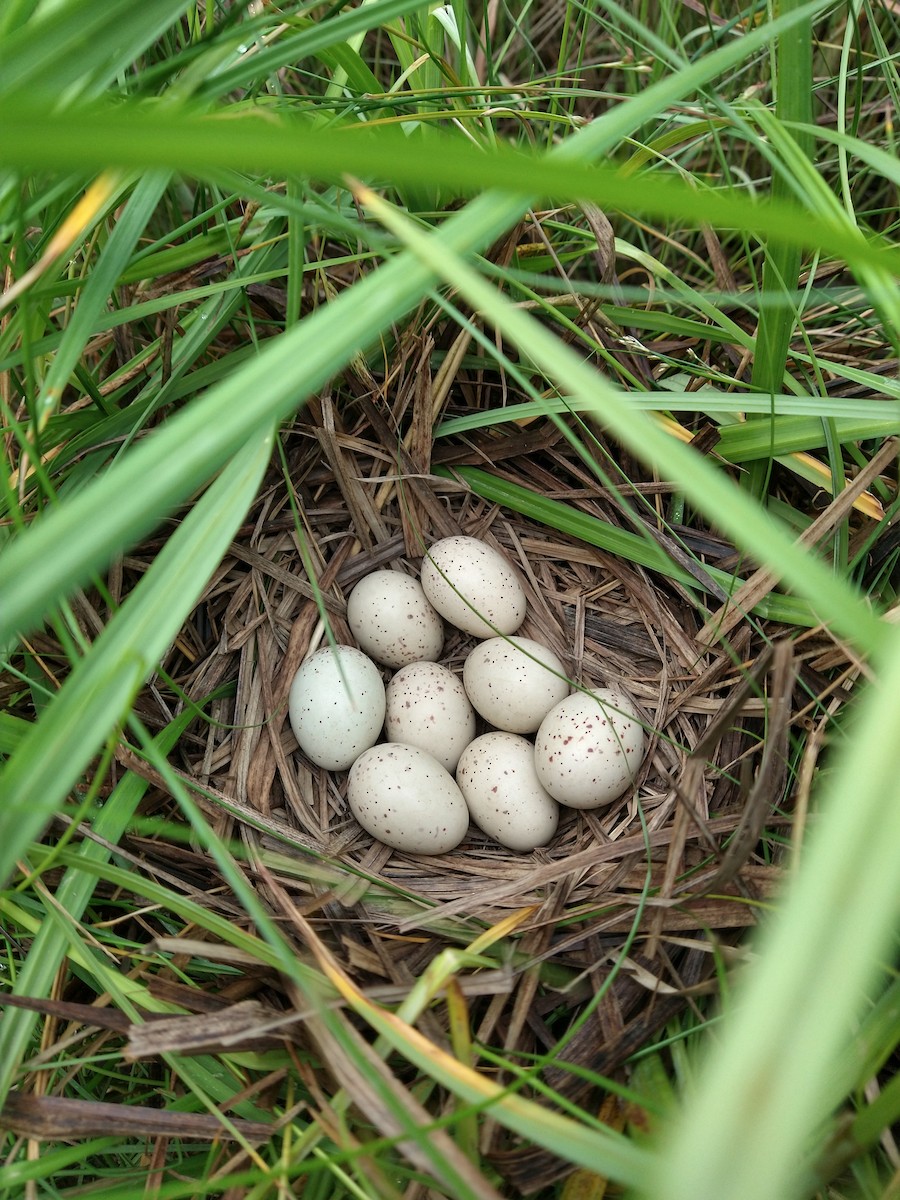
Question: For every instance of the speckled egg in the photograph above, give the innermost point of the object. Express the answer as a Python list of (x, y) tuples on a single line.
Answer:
[(589, 748), (473, 586), (402, 796), (427, 707), (497, 777), (336, 706), (393, 621), (514, 682)]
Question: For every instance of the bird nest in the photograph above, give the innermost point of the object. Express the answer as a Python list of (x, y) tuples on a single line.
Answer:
[(633, 902)]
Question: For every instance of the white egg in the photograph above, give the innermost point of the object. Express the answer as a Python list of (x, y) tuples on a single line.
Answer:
[(589, 748), (427, 707), (497, 777), (336, 706), (473, 586), (514, 682), (393, 621), (402, 796)]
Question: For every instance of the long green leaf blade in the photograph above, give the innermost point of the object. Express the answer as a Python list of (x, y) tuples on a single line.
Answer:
[(36, 975), (835, 601), (744, 1129), (48, 761)]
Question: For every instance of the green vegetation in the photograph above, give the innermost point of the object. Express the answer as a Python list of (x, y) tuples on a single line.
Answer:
[(285, 291)]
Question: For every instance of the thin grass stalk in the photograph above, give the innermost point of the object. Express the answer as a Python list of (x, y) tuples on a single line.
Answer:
[(781, 270)]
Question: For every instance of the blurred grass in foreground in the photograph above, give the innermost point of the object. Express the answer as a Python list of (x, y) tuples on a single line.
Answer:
[(136, 379)]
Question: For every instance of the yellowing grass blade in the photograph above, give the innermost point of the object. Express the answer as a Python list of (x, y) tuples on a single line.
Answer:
[(598, 1149), (69, 232)]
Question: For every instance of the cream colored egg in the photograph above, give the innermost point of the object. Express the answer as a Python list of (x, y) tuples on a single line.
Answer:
[(393, 621), (402, 796), (427, 706), (514, 682), (336, 706), (497, 777), (589, 748), (473, 586)]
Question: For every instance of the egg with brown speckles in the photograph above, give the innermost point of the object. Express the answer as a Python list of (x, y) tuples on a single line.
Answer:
[(336, 706), (393, 621), (402, 796), (514, 682), (589, 748), (426, 706), (497, 777), (473, 586)]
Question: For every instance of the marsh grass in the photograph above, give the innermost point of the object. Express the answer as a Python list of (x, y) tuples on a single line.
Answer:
[(614, 289)]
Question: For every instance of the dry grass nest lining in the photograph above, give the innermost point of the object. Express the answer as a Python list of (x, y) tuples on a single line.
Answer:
[(708, 783), (369, 502)]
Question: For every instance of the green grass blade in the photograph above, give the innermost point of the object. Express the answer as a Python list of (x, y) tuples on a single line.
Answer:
[(20, 1174), (313, 39), (724, 504), (744, 1129), (797, 423), (144, 138), (15, 13), (631, 546), (12, 730), (100, 285), (781, 271), (82, 44), (751, 440), (72, 895), (95, 697)]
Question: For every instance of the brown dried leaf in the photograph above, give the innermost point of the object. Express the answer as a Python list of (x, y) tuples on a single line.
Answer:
[(56, 1119)]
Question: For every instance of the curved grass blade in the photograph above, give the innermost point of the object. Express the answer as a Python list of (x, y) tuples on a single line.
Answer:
[(159, 473), (798, 424), (555, 514), (101, 282), (82, 44), (835, 601), (72, 895), (49, 759), (743, 1132), (142, 137), (782, 265)]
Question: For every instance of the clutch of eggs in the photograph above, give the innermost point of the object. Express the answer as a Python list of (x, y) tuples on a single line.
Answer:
[(588, 746)]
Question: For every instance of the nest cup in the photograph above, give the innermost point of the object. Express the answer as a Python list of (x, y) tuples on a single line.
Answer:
[(605, 873)]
